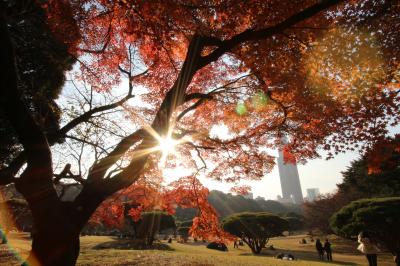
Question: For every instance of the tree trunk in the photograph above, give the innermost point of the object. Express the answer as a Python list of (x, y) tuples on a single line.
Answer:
[(396, 258), (255, 250), (60, 249), (55, 235)]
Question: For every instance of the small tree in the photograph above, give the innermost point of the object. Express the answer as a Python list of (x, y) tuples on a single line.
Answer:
[(380, 217), (151, 223), (255, 229)]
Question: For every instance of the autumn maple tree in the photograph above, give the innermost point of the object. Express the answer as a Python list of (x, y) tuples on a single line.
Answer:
[(325, 73)]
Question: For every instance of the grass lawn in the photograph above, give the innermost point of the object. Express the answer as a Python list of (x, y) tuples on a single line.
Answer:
[(104, 250)]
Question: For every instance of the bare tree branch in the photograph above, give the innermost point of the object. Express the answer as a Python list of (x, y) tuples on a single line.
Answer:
[(87, 142)]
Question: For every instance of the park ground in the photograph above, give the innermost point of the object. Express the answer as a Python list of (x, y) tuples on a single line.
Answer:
[(104, 250)]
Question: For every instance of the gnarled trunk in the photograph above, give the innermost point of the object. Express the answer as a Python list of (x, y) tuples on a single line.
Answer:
[(60, 249), (56, 227), (396, 258)]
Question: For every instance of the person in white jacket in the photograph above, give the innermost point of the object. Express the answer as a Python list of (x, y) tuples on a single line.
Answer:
[(368, 248)]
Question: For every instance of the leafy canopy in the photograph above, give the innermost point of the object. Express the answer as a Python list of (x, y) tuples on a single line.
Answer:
[(258, 87), (376, 174), (255, 228)]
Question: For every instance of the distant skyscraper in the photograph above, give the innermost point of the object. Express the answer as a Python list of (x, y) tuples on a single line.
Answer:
[(312, 193), (290, 181)]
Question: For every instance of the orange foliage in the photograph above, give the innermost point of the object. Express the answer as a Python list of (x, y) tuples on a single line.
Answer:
[(288, 157), (241, 190), (382, 153), (187, 192), (282, 82)]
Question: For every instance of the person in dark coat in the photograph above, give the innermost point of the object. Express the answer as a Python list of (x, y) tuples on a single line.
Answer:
[(328, 250), (320, 249)]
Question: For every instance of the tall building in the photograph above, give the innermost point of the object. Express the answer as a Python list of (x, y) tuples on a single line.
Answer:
[(312, 193), (290, 181)]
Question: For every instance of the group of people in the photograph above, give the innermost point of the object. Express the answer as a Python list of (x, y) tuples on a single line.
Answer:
[(366, 245), (322, 249)]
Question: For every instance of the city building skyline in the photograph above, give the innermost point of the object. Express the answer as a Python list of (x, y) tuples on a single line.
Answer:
[(290, 181), (312, 193)]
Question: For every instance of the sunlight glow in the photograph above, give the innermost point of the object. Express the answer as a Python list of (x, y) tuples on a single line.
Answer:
[(166, 143), (167, 146)]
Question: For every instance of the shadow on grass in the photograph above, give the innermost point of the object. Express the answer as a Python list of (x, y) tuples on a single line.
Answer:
[(129, 244), (299, 255)]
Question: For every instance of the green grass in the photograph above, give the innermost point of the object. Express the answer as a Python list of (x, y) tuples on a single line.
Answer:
[(102, 250)]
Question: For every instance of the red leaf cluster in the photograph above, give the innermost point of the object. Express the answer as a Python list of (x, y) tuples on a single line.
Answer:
[(187, 192), (382, 153)]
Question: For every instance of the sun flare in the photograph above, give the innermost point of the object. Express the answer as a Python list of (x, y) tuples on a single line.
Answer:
[(167, 145)]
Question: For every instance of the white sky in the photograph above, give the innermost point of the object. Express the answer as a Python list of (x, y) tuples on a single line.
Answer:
[(318, 173)]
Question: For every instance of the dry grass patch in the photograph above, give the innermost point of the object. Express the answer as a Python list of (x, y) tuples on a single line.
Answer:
[(104, 250)]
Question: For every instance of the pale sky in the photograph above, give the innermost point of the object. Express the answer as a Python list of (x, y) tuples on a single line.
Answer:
[(318, 173)]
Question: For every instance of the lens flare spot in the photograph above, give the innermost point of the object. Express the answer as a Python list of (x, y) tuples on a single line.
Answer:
[(241, 109)]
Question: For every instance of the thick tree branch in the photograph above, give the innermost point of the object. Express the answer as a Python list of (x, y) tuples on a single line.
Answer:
[(252, 35), (174, 98), (31, 137), (197, 95), (55, 137), (36, 180), (98, 170), (190, 108), (67, 174)]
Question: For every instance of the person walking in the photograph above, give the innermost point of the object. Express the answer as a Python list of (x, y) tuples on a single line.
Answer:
[(328, 250), (320, 249), (368, 248)]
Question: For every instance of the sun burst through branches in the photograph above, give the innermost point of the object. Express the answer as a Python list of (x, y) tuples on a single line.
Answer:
[(165, 143), (167, 146)]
